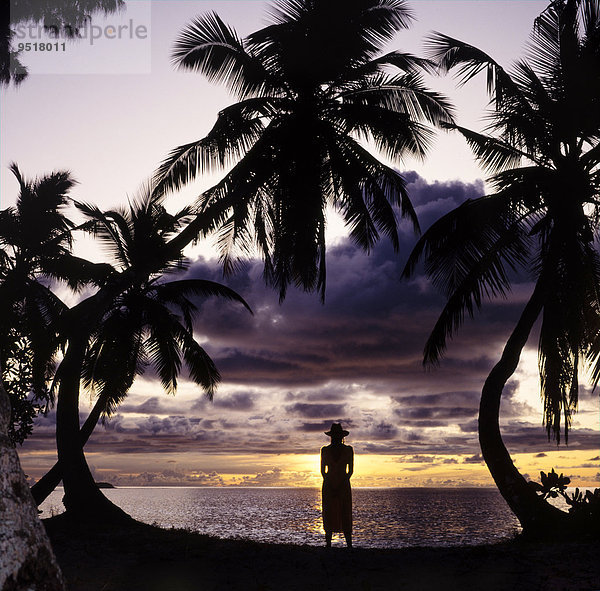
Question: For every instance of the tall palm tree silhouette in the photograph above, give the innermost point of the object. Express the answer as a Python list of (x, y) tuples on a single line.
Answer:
[(312, 88), (543, 218), (135, 319)]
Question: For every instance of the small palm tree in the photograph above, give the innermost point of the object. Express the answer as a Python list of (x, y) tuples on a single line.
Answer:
[(129, 323), (543, 217), (152, 320), (35, 242), (312, 88)]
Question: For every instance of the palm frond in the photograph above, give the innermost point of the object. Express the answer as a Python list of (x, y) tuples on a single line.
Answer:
[(76, 272), (569, 331), (169, 292), (395, 135), (113, 360), (110, 226), (163, 350), (405, 94), (382, 187), (397, 60), (236, 130), (469, 262), (494, 154), (201, 367), (450, 53), (209, 46)]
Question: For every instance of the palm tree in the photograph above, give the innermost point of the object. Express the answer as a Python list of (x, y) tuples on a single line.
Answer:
[(35, 241), (135, 319), (543, 217), (311, 90)]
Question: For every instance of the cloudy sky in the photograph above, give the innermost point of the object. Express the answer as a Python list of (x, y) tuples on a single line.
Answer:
[(289, 370)]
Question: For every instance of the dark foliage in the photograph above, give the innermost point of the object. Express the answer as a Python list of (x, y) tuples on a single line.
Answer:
[(312, 88)]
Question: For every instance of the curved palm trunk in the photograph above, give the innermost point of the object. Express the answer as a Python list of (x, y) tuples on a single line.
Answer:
[(83, 499), (49, 481), (535, 514), (82, 496)]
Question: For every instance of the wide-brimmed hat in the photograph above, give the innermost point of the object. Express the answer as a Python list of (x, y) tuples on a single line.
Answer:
[(336, 429)]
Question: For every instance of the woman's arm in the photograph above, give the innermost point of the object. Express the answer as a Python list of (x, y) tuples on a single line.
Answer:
[(350, 464), (323, 465)]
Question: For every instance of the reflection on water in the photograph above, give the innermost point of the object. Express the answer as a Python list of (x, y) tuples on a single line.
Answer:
[(383, 518)]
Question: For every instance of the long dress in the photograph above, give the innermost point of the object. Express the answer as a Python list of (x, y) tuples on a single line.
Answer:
[(336, 492)]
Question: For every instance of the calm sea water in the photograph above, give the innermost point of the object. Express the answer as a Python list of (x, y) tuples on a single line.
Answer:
[(383, 518)]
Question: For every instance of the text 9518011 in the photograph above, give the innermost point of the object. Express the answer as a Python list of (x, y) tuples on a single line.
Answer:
[(41, 46)]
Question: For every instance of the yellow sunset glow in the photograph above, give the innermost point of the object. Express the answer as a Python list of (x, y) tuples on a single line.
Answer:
[(302, 470)]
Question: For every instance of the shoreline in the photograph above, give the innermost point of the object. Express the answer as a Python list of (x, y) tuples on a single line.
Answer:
[(140, 557)]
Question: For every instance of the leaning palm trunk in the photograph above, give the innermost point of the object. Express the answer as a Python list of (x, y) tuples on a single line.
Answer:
[(536, 516), (132, 299), (48, 482), (26, 557), (83, 498)]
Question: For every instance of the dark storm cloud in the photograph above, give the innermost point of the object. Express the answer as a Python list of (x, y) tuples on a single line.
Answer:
[(153, 405), (328, 393), (357, 325), (417, 460), (315, 411), (522, 437), (476, 459), (167, 478), (358, 358), (315, 427), (383, 431), (469, 426), (443, 399), (428, 424), (439, 196), (372, 327), (237, 401), (434, 413)]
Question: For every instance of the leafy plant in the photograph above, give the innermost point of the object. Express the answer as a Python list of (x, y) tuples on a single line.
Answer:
[(17, 377), (552, 485), (583, 507)]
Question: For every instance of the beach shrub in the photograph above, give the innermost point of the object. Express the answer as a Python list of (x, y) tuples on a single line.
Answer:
[(552, 485), (17, 378), (583, 507)]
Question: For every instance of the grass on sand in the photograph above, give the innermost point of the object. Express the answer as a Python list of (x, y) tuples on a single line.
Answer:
[(140, 557)]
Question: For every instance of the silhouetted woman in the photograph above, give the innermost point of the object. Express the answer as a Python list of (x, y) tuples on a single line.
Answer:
[(337, 465)]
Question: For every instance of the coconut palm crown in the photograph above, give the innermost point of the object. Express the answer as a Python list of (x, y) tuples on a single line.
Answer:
[(35, 248), (312, 91), (543, 215), (152, 321)]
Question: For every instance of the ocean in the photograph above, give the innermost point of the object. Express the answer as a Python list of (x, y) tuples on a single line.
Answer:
[(383, 517)]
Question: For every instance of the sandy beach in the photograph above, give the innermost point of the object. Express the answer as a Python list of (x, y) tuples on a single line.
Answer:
[(140, 557)]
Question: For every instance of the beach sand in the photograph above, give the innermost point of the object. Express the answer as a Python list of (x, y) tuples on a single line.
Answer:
[(140, 557)]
